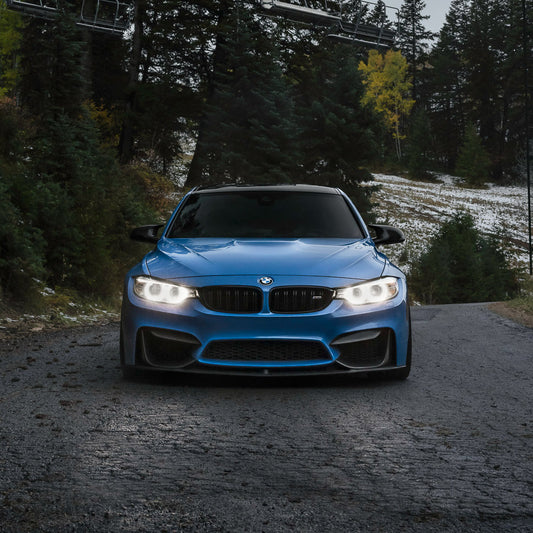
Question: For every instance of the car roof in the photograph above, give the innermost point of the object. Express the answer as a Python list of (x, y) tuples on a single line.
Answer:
[(233, 187)]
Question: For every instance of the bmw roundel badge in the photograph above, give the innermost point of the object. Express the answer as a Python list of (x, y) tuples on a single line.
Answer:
[(266, 280)]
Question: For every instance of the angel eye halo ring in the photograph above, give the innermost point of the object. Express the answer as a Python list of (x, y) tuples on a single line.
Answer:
[(159, 291)]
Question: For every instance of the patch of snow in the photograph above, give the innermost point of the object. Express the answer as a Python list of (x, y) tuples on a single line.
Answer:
[(47, 291), (420, 208), (68, 317)]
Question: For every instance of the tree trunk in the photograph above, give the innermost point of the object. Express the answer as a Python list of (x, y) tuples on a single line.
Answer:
[(194, 176), (128, 125)]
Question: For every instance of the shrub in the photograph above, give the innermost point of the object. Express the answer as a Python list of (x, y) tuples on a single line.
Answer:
[(461, 265), (21, 244), (21, 250), (68, 207)]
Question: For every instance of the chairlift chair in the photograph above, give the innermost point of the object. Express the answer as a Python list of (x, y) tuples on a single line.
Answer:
[(301, 12), (343, 18), (109, 16), (105, 15)]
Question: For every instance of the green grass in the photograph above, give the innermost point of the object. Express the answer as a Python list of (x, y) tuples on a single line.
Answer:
[(524, 302), (519, 309), (61, 308)]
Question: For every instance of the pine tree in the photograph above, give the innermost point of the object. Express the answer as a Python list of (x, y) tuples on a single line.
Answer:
[(171, 51), (71, 190), (127, 134), (213, 64), (338, 138), (419, 145), (473, 162), (483, 83), (378, 16), (21, 242), (494, 86), (249, 130), (477, 76), (511, 128), (413, 39), (447, 84), (52, 82), (461, 265)]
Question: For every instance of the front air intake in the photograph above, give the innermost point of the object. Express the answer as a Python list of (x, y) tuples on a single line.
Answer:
[(366, 349), (266, 351)]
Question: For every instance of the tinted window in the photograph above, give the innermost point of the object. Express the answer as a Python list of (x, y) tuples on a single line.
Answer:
[(277, 214)]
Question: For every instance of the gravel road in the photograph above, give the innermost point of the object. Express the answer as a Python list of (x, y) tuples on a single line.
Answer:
[(450, 449)]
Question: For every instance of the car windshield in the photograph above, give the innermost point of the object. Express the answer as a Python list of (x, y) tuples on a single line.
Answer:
[(260, 214)]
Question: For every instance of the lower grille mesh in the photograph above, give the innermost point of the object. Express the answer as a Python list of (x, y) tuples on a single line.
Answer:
[(250, 351)]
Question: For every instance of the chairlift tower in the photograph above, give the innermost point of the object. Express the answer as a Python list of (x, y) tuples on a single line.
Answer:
[(344, 19), (108, 16)]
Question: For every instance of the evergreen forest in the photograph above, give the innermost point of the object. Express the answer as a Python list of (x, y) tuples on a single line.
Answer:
[(97, 131)]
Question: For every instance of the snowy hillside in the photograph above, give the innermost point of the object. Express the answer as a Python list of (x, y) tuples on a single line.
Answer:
[(418, 208)]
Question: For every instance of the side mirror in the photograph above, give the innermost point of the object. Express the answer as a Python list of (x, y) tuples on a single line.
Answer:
[(146, 233), (387, 234)]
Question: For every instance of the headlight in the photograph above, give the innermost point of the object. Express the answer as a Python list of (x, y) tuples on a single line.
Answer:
[(161, 291), (370, 292)]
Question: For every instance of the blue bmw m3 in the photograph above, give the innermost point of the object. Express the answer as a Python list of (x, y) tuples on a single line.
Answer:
[(267, 281)]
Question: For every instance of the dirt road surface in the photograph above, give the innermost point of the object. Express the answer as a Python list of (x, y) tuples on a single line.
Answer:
[(450, 449)]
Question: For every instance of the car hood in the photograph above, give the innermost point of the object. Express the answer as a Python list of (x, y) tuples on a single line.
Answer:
[(183, 258)]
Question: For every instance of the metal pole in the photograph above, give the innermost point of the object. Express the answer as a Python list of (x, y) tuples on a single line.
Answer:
[(526, 112), (413, 45)]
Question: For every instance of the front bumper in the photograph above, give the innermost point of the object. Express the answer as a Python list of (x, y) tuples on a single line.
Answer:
[(192, 338)]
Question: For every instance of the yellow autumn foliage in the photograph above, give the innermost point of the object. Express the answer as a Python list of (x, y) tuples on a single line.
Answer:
[(387, 89)]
